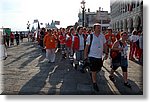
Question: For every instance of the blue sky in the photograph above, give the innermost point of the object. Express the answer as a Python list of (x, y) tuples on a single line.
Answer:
[(16, 13)]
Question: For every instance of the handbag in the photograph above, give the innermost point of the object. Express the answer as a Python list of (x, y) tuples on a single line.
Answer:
[(114, 54)]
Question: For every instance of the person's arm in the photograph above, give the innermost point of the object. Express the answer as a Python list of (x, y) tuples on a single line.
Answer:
[(87, 47), (105, 49), (86, 51), (72, 42), (44, 41)]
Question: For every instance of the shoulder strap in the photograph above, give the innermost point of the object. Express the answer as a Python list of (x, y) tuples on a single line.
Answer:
[(91, 39), (121, 44)]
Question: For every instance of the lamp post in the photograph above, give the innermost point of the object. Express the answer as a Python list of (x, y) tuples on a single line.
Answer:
[(83, 11), (28, 26)]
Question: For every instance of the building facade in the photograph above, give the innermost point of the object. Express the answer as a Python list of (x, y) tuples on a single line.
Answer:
[(100, 16), (126, 15), (103, 17)]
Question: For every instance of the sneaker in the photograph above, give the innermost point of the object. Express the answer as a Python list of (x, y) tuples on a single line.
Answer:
[(82, 71), (5, 58), (75, 66), (112, 78), (95, 87), (127, 85)]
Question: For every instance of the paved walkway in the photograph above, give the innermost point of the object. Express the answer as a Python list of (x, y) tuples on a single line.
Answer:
[(25, 71)]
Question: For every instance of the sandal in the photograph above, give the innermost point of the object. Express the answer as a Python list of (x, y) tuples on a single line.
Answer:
[(127, 85), (112, 78)]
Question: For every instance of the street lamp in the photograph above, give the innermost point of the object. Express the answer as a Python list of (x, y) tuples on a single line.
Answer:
[(83, 11)]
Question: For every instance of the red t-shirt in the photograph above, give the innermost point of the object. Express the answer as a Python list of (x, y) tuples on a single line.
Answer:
[(76, 42), (110, 39), (62, 39), (68, 41)]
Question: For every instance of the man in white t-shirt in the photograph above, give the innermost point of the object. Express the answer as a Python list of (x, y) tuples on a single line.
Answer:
[(98, 44)]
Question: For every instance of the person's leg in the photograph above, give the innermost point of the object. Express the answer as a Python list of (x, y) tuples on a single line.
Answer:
[(125, 77), (94, 76), (48, 54), (96, 65), (76, 59), (131, 51), (124, 66), (5, 52), (111, 76), (52, 55), (62, 50), (115, 65), (134, 50), (81, 58)]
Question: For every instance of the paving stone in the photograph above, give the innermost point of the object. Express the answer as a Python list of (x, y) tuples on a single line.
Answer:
[(25, 71)]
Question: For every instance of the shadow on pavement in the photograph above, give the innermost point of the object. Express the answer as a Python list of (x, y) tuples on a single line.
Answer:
[(68, 81), (32, 55), (38, 81), (123, 90)]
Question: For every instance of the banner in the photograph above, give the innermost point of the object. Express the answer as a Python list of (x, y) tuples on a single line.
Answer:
[(36, 21), (57, 22)]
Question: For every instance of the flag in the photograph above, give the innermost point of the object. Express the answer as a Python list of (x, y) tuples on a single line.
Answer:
[(57, 22), (36, 21)]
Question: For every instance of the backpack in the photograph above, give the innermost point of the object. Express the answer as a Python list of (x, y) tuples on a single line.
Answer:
[(114, 54), (91, 39)]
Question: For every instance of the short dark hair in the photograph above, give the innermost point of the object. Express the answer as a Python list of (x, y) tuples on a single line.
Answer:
[(71, 29), (134, 32), (123, 33), (139, 31), (78, 28)]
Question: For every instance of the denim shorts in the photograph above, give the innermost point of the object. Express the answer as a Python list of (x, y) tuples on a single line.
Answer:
[(122, 62)]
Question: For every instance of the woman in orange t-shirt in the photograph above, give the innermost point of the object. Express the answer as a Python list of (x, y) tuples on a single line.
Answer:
[(50, 45)]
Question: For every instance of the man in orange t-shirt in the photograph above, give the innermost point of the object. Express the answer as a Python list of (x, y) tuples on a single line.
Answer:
[(50, 45)]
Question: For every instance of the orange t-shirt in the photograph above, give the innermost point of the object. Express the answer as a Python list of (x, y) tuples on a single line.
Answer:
[(49, 41)]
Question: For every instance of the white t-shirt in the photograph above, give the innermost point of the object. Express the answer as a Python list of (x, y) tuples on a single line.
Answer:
[(97, 45), (134, 38), (141, 41), (81, 39)]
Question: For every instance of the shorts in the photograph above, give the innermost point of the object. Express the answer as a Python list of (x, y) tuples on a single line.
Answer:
[(123, 63), (95, 64)]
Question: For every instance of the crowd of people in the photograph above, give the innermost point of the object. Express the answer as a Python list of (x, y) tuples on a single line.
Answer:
[(83, 45)]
